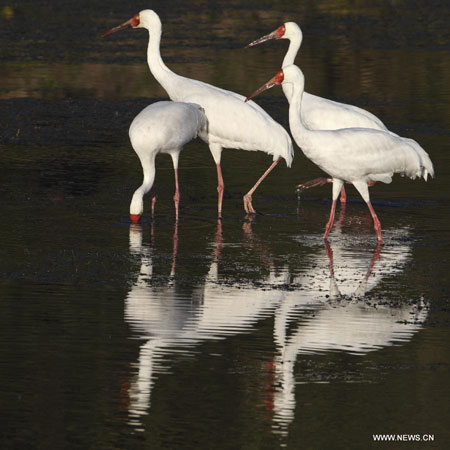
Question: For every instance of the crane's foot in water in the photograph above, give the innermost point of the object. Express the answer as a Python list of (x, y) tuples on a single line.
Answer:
[(248, 204)]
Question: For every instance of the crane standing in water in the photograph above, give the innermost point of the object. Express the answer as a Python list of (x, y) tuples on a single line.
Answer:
[(162, 127), (356, 155), (232, 123), (319, 113)]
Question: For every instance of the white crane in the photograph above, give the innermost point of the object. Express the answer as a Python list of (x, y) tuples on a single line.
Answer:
[(231, 122), (356, 155), (162, 127), (319, 113)]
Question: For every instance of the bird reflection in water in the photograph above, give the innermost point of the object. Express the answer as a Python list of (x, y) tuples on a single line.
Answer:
[(305, 322), (343, 323), (170, 322)]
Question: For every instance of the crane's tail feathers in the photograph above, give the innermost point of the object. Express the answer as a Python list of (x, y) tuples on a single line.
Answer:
[(290, 155), (426, 164), (382, 178), (202, 120)]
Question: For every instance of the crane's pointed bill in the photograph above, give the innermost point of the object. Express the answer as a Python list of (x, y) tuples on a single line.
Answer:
[(277, 79), (262, 39), (133, 22), (277, 34), (263, 88), (118, 28)]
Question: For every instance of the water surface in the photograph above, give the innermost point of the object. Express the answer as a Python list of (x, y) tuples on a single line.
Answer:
[(245, 333)]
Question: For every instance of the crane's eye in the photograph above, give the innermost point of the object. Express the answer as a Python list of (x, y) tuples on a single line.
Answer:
[(135, 20), (279, 77)]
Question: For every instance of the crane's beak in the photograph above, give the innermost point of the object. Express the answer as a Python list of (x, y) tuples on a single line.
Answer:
[(133, 22), (262, 39), (277, 79)]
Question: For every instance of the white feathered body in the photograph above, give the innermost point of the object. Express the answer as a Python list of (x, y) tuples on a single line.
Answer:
[(232, 123), (162, 127), (354, 154), (320, 113), (166, 126)]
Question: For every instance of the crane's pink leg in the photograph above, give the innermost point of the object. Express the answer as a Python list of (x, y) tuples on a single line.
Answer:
[(176, 197), (342, 214), (320, 182), (153, 200), (343, 196), (220, 189), (376, 222), (330, 220), (313, 183), (248, 196)]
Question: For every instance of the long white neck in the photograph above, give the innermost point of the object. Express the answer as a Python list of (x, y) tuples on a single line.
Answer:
[(294, 45), (300, 133), (159, 70), (148, 167)]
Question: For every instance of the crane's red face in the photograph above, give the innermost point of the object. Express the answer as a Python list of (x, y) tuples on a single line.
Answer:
[(277, 34), (277, 79), (133, 22), (135, 218)]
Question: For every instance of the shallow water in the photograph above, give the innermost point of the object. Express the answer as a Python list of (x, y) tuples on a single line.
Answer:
[(248, 333)]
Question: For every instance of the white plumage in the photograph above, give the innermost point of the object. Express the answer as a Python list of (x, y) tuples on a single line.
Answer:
[(355, 155), (319, 113), (163, 127), (231, 122)]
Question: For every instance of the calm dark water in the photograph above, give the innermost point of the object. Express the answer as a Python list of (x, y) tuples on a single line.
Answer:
[(245, 334)]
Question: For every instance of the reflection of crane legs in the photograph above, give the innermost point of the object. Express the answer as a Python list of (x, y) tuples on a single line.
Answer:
[(334, 290), (361, 290), (174, 250), (257, 244), (152, 233), (337, 185), (213, 273), (218, 241)]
